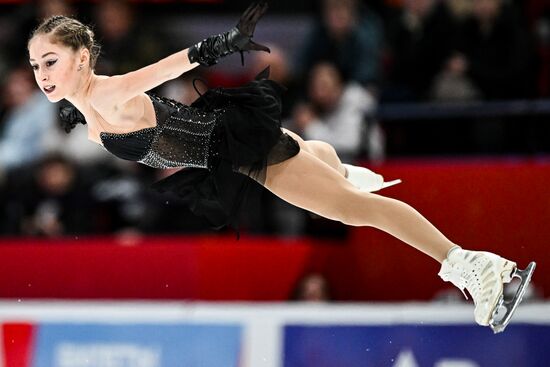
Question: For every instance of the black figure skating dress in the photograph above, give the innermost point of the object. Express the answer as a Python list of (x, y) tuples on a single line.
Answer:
[(224, 139)]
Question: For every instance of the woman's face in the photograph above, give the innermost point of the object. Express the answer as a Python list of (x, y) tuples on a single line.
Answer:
[(55, 67)]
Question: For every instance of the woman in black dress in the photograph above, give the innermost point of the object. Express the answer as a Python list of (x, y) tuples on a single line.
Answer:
[(229, 137)]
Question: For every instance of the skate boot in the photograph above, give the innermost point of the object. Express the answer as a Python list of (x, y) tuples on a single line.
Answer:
[(366, 180), (483, 274)]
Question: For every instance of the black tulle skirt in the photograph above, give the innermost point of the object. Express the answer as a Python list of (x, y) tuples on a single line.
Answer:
[(247, 139)]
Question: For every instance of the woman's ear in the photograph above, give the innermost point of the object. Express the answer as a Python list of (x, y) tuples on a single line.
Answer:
[(84, 56)]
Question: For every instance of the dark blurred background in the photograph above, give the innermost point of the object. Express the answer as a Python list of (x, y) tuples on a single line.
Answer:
[(450, 95), (380, 80)]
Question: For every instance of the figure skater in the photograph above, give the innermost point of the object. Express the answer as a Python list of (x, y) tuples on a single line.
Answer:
[(229, 137)]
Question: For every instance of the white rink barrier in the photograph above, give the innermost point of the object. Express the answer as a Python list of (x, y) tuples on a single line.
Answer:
[(173, 334)]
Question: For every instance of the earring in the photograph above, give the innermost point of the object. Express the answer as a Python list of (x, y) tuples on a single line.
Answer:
[(80, 67)]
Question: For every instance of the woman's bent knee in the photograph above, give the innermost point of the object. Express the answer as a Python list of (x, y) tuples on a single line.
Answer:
[(320, 148)]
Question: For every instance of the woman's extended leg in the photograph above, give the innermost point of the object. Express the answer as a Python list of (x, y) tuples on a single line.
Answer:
[(311, 184)]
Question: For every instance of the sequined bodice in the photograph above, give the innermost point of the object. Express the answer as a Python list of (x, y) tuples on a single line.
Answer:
[(181, 138)]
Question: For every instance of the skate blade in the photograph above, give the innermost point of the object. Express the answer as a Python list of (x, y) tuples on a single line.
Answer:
[(391, 183), (510, 306)]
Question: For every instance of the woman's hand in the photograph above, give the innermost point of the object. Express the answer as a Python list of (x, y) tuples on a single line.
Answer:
[(238, 39), (247, 25)]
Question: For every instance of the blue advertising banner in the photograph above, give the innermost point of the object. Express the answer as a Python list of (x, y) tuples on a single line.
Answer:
[(141, 345), (416, 346)]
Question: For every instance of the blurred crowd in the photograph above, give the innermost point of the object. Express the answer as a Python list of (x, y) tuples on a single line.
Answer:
[(355, 55)]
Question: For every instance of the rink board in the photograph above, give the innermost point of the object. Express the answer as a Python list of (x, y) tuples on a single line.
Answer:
[(265, 335), (415, 346)]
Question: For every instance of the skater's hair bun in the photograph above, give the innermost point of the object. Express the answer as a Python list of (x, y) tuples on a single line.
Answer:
[(71, 33)]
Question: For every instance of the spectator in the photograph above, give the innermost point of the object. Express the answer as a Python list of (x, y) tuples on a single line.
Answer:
[(539, 20), (335, 112), (22, 22), (312, 287), (126, 44), (495, 53), (27, 118), (55, 202), (420, 40), (347, 37), (75, 146)]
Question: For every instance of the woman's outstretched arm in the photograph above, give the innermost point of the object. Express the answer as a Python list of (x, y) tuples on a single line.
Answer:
[(121, 88)]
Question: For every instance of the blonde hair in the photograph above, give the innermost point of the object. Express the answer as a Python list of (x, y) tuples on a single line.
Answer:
[(71, 33)]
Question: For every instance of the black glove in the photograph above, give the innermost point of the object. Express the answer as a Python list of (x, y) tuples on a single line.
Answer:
[(238, 39)]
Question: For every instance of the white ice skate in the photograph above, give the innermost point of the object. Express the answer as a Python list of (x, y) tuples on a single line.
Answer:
[(483, 274), (366, 180)]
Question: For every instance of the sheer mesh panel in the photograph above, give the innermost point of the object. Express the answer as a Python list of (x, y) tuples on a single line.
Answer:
[(182, 139)]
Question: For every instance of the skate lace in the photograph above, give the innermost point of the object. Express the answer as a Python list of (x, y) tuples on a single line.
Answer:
[(455, 274)]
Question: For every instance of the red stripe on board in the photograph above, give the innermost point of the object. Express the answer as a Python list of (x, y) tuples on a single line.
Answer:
[(17, 343)]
